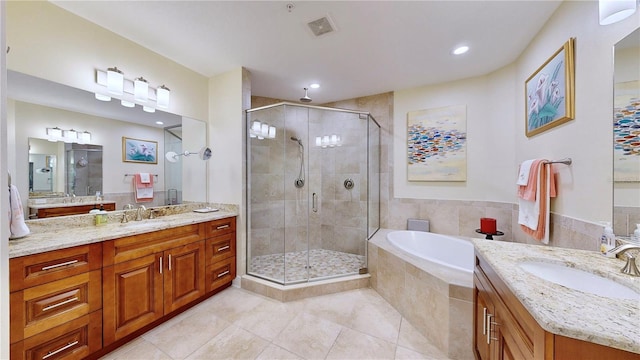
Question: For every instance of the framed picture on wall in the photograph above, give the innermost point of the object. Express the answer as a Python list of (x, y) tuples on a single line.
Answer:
[(549, 92), (139, 151)]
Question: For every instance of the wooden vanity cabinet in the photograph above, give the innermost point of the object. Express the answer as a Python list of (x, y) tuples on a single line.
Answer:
[(70, 210), (504, 329), (220, 253), (56, 304), (152, 275)]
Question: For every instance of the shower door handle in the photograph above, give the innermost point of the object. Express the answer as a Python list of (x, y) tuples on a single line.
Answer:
[(314, 202)]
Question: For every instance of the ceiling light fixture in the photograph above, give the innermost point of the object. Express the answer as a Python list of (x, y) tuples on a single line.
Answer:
[(149, 109), (460, 50), (102, 97), (612, 11), (314, 86), (128, 104)]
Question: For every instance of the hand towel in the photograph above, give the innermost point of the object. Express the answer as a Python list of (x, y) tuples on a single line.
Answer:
[(533, 216), (523, 173), (145, 178), (17, 226), (143, 191)]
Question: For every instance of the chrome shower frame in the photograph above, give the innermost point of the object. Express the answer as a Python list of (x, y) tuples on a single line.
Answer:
[(288, 126)]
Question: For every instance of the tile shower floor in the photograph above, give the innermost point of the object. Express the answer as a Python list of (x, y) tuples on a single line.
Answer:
[(237, 324), (322, 264)]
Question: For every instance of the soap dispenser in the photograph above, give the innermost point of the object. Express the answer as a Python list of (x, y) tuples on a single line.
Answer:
[(607, 240)]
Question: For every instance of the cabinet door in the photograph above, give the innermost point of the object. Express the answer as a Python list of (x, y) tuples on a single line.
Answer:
[(133, 293), (184, 275), (221, 273), (481, 338)]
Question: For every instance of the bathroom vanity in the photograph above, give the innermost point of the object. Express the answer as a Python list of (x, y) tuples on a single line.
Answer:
[(520, 316), (87, 299)]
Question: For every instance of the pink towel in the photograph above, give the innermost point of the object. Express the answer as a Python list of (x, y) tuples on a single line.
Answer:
[(535, 201), (17, 226), (143, 190)]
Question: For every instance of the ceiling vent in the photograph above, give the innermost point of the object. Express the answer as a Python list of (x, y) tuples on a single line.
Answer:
[(322, 26)]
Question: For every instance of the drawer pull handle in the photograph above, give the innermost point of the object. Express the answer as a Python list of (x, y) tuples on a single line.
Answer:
[(484, 321), (489, 316), (69, 345), (222, 227), (160, 264), (169, 262), (59, 265), (223, 248), (46, 308), (223, 274)]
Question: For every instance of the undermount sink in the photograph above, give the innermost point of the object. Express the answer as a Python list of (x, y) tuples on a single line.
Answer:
[(579, 280)]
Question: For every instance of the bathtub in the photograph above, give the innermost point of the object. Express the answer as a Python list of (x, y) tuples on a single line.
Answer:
[(440, 249)]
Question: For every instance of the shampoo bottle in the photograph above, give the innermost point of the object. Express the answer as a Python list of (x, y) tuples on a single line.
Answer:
[(608, 240)]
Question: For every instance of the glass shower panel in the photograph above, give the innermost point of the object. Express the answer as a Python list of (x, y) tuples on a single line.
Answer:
[(266, 194), (374, 151)]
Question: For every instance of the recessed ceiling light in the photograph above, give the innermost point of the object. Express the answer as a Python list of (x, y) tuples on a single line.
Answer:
[(314, 86), (159, 123), (460, 50)]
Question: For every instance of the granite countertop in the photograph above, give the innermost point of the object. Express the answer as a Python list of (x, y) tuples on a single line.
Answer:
[(563, 311), (69, 204), (68, 231)]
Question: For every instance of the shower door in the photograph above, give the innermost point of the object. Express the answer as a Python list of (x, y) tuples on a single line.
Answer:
[(307, 193)]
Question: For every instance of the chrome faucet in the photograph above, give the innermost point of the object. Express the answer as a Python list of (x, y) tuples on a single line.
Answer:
[(140, 212), (125, 219), (630, 268)]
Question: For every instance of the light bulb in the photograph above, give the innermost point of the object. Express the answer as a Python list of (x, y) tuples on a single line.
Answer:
[(141, 89)]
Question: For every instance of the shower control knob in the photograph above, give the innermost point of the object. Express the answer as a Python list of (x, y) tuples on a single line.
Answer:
[(349, 184)]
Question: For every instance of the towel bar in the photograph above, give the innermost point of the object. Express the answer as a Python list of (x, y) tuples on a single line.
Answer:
[(566, 161)]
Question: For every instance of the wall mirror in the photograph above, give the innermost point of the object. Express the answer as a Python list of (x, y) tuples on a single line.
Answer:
[(53, 169), (626, 135)]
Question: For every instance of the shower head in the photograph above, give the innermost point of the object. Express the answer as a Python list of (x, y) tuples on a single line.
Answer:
[(305, 98), (297, 139)]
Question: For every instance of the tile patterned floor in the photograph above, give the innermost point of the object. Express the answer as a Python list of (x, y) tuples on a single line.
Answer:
[(237, 324), (323, 263)]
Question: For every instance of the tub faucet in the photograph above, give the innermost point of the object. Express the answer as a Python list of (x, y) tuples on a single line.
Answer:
[(630, 268), (140, 212)]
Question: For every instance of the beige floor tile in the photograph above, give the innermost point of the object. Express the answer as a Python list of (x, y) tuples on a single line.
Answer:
[(268, 319), (410, 338), (233, 343), (188, 334), (142, 350), (337, 308), (374, 316), (123, 349), (232, 303), (274, 352), (406, 354), (352, 344), (309, 336)]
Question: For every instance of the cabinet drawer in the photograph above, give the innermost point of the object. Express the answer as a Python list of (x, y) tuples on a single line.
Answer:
[(220, 273), (32, 270), (73, 340), (137, 246), (43, 307), (220, 247), (221, 227)]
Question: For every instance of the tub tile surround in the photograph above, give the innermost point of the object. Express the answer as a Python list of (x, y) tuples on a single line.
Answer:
[(438, 302), (54, 233), (563, 311)]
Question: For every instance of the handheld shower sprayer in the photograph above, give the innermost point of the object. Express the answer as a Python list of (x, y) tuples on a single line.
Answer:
[(299, 182)]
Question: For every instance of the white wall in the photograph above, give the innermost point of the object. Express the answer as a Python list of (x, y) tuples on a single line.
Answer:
[(194, 170), (495, 121), (489, 149), (32, 120), (51, 43)]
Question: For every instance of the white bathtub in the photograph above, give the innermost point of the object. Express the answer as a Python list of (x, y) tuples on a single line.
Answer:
[(444, 250)]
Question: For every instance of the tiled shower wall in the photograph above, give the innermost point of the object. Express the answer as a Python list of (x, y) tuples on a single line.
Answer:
[(279, 209), (457, 217)]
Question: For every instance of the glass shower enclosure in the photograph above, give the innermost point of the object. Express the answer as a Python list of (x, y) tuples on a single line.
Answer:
[(313, 191)]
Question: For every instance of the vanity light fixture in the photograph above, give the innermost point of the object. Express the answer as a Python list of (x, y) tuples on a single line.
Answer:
[(262, 131), (54, 134), (326, 141), (68, 136), (612, 11), (141, 89), (137, 91), (84, 137), (115, 81), (162, 96)]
